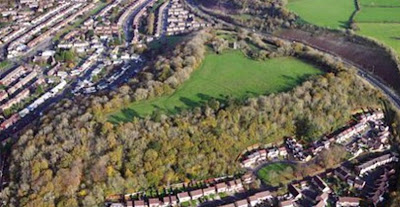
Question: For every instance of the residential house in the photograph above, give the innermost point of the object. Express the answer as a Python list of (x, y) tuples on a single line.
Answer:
[(139, 203), (154, 202), (376, 162), (221, 187), (166, 201), (242, 203), (228, 205), (9, 122), (259, 197), (342, 172), (288, 203), (348, 202), (282, 152), (294, 191), (209, 191), (183, 197), (173, 200), (3, 95), (196, 194), (273, 153), (316, 180), (235, 185), (117, 205)]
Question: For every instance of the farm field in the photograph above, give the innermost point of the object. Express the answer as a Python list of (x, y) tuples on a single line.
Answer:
[(380, 20), (327, 13), (379, 14), (386, 3), (276, 173), (230, 74), (389, 34)]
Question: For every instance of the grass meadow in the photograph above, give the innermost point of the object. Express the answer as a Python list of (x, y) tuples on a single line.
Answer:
[(378, 19), (326, 13), (382, 3), (275, 174), (388, 33), (379, 15), (230, 74)]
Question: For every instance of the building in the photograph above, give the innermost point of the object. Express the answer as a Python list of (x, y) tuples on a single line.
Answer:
[(317, 181), (139, 203), (348, 202), (228, 205), (13, 75), (183, 197), (376, 162), (196, 194), (209, 191), (235, 185), (287, 203), (221, 187), (259, 198), (295, 192), (242, 203), (248, 178), (20, 96), (3, 95), (117, 205), (342, 173), (154, 202)]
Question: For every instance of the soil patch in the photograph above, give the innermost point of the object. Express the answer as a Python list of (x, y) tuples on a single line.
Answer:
[(368, 57)]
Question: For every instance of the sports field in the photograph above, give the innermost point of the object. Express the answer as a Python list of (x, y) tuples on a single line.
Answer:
[(327, 13), (230, 74), (275, 174)]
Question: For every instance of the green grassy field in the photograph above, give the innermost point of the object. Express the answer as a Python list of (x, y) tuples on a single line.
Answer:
[(230, 74), (386, 3), (380, 20), (389, 34), (378, 14), (277, 173), (327, 13)]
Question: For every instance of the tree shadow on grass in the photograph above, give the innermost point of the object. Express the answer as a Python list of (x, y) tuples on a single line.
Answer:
[(293, 82), (395, 38), (127, 115)]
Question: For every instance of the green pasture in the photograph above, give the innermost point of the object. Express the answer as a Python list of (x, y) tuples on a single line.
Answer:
[(326, 13), (221, 76)]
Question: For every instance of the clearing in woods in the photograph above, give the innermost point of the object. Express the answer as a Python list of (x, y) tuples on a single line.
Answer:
[(230, 74)]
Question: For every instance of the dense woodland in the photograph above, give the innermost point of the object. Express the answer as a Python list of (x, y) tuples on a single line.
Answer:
[(77, 158), (263, 15)]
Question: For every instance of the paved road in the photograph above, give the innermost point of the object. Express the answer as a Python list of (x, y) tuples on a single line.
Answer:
[(128, 30)]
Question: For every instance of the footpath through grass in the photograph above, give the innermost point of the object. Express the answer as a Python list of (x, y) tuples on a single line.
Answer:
[(230, 74), (326, 13), (275, 174)]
